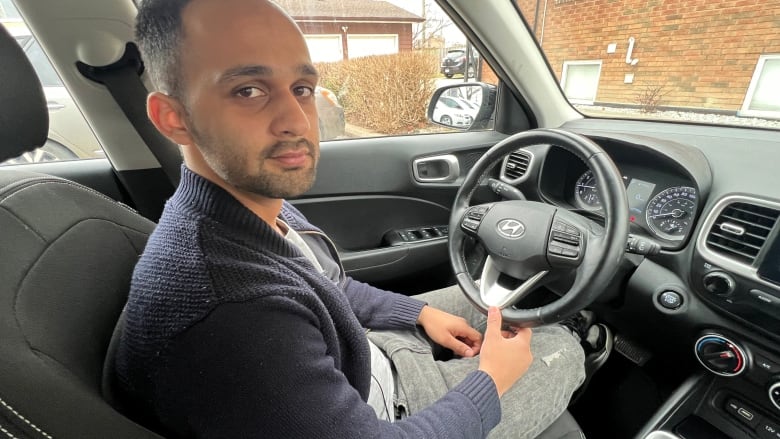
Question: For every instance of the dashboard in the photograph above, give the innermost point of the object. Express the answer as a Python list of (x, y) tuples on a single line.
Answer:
[(664, 197), (719, 237)]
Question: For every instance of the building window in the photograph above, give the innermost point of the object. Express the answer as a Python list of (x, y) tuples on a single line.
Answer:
[(580, 81), (763, 95)]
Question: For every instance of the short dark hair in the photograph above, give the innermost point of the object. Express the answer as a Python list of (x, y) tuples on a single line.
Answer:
[(159, 33)]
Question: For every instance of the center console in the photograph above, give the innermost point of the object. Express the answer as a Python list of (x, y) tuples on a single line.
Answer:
[(738, 398), (736, 270)]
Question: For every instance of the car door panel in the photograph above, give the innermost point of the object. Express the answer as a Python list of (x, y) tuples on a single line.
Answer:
[(366, 193)]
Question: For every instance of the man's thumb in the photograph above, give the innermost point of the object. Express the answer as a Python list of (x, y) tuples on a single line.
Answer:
[(493, 322)]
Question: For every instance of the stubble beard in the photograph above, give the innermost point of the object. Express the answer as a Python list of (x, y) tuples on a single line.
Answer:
[(224, 159)]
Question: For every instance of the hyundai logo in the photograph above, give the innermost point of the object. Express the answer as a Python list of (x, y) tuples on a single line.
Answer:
[(510, 228)]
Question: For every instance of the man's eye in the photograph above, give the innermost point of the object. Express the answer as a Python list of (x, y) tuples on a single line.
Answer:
[(249, 92), (303, 91)]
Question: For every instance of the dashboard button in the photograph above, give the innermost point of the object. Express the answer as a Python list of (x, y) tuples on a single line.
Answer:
[(766, 365), (670, 299), (761, 298), (768, 430), (774, 394)]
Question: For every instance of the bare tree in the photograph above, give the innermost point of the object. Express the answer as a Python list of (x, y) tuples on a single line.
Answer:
[(433, 26)]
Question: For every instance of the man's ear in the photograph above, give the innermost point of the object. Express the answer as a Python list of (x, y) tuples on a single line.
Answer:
[(167, 114)]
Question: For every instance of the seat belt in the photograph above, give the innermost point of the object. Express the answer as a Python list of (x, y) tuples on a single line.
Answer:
[(123, 80)]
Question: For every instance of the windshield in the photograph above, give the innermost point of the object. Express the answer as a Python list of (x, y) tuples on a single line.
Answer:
[(708, 61)]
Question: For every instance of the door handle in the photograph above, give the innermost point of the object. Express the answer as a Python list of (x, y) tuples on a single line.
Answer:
[(437, 169), (54, 106)]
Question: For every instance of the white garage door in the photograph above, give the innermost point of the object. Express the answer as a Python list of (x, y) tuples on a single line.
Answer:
[(366, 45), (324, 48)]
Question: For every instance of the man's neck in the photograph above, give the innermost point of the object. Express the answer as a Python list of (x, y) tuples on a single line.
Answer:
[(267, 209)]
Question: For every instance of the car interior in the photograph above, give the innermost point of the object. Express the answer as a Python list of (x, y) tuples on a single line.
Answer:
[(666, 231)]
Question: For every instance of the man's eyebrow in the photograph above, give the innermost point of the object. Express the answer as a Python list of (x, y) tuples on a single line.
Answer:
[(263, 71), (308, 70)]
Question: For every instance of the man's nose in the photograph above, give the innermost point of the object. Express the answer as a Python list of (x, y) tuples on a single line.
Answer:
[(289, 118)]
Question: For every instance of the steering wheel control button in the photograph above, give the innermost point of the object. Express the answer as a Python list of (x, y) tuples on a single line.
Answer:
[(745, 414), (470, 224), (670, 300), (720, 355), (565, 241), (718, 282), (477, 212), (473, 218), (566, 238), (556, 250)]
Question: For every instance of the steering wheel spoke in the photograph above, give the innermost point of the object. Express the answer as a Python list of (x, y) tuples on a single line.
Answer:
[(494, 294)]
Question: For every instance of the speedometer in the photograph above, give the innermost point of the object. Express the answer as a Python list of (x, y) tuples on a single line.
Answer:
[(670, 213)]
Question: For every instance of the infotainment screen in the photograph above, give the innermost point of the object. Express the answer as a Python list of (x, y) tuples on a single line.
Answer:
[(770, 266)]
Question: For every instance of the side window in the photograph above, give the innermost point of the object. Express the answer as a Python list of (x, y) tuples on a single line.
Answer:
[(378, 72), (70, 137), (41, 64)]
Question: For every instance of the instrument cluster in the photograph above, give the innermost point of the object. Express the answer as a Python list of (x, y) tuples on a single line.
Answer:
[(667, 211)]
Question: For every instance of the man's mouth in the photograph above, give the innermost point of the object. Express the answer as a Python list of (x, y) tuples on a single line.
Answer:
[(292, 158), (291, 155)]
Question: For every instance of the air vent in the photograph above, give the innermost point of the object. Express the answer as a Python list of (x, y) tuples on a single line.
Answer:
[(516, 165), (741, 230)]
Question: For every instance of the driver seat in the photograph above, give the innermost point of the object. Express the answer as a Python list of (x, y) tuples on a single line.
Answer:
[(67, 255)]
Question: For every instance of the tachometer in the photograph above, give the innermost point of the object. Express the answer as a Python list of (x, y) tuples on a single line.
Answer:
[(670, 213), (586, 193)]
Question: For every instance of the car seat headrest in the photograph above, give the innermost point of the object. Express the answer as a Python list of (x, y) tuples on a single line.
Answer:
[(24, 118)]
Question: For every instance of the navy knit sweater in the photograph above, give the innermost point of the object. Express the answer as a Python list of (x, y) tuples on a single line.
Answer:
[(230, 332)]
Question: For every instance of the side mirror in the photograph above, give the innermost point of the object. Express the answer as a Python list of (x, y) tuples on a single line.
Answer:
[(467, 106)]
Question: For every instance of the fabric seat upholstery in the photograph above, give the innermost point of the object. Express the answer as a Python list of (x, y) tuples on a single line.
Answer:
[(67, 257)]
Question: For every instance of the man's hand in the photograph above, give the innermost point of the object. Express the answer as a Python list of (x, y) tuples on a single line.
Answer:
[(450, 331), (504, 358)]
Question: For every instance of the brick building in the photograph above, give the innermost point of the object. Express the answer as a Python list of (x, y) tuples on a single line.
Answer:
[(721, 55)]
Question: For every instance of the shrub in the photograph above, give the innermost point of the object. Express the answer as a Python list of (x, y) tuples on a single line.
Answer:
[(386, 93), (650, 98)]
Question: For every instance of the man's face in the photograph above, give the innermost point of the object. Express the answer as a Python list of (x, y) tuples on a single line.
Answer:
[(248, 93)]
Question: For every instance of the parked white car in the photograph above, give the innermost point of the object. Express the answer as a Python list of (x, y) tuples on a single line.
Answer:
[(454, 112)]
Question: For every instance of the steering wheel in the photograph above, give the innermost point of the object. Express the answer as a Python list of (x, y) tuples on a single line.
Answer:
[(531, 242)]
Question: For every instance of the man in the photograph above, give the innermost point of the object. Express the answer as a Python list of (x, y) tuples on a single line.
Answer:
[(241, 322)]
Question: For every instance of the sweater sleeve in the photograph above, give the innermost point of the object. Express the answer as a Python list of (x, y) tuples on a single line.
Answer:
[(380, 309), (262, 369)]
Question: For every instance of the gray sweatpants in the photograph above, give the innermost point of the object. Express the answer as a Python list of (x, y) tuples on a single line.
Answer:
[(527, 409)]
